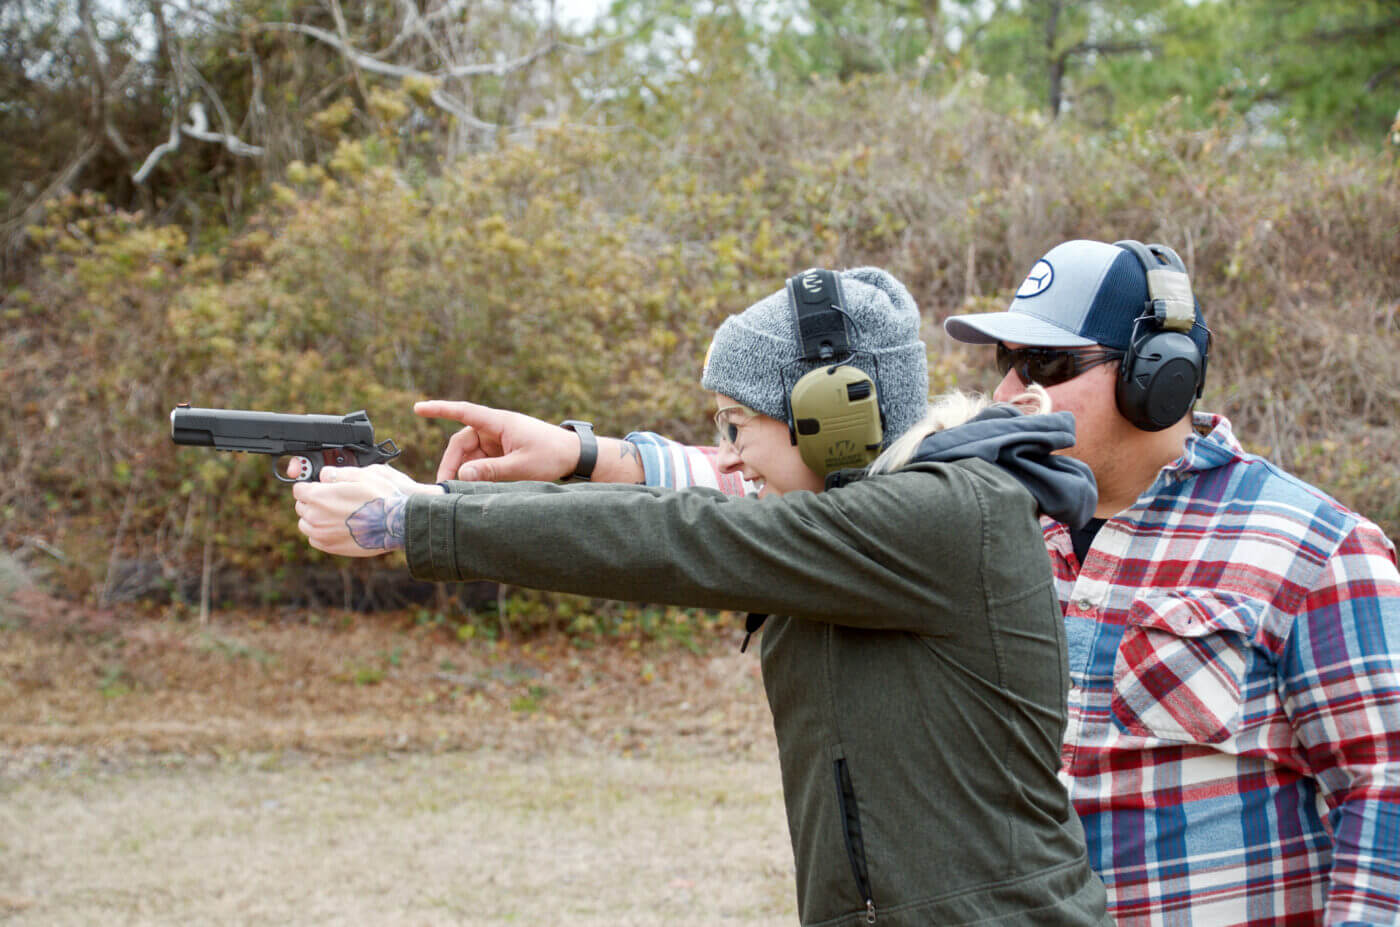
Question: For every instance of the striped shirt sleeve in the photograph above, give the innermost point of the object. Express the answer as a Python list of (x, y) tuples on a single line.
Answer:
[(672, 465)]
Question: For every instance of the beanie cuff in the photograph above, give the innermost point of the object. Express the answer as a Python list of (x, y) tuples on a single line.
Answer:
[(732, 372), (897, 372), (755, 356)]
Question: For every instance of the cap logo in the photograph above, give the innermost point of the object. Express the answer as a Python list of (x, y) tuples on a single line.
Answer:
[(1037, 281)]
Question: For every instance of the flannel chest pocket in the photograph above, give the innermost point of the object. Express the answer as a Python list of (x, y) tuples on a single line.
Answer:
[(1180, 669)]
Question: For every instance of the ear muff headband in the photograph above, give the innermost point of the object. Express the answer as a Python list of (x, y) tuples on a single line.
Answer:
[(820, 314), (1163, 371), (833, 411)]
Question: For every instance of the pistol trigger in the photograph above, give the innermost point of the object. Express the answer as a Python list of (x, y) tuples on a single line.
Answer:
[(309, 470)]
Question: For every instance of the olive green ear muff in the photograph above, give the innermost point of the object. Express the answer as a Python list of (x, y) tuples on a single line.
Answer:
[(833, 411), (836, 417)]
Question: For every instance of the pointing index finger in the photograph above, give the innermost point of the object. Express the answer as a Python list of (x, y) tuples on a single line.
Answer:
[(467, 413)]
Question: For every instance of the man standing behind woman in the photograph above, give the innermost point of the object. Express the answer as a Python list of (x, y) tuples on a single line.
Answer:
[(915, 658), (1234, 633)]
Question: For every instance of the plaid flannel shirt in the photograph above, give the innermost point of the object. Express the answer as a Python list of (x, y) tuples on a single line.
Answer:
[(1233, 746)]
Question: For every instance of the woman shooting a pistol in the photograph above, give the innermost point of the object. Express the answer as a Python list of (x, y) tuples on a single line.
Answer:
[(914, 659)]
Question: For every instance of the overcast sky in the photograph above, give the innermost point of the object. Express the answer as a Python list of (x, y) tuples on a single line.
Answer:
[(577, 11)]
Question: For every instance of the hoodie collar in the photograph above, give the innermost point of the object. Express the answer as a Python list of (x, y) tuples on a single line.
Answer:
[(1022, 445)]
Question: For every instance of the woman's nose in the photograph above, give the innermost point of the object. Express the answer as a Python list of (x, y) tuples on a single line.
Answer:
[(728, 459)]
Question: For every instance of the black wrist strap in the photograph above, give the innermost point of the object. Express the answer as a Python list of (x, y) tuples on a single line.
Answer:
[(587, 448)]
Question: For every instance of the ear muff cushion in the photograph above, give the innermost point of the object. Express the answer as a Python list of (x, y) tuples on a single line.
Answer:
[(836, 418), (1159, 379)]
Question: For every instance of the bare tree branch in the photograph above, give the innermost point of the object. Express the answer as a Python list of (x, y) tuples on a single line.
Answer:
[(198, 126), (424, 31), (224, 119), (1111, 48), (440, 97), (416, 26), (15, 230), (101, 112), (343, 32), (1363, 32), (1382, 76), (371, 63)]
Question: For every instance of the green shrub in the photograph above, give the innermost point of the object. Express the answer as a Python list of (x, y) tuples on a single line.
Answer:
[(582, 274)]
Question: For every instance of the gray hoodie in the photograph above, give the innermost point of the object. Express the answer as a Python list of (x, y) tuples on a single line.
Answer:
[(1023, 446)]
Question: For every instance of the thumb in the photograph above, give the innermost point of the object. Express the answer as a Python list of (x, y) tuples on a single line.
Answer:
[(513, 466)]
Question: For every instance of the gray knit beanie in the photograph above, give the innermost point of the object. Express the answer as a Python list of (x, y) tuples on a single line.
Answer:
[(755, 355)]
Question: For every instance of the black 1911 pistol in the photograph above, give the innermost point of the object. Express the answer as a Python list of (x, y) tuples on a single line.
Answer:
[(316, 441)]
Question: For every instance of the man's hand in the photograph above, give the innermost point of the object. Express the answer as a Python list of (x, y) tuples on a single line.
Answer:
[(497, 445), (356, 512)]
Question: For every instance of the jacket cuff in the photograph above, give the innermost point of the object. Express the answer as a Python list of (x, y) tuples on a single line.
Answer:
[(430, 542)]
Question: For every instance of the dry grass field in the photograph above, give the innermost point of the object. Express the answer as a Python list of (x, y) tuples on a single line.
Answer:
[(365, 771)]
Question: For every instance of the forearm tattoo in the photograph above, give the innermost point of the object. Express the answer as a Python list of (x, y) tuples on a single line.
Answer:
[(378, 524), (628, 449)]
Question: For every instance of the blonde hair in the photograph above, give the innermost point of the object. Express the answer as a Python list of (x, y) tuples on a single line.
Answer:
[(949, 411)]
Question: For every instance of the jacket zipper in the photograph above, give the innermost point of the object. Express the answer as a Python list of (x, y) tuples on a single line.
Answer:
[(855, 845)]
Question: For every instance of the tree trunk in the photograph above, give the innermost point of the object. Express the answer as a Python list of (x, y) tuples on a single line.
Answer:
[(1055, 61)]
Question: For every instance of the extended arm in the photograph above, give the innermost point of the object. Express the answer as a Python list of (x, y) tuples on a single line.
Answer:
[(496, 445), (880, 553)]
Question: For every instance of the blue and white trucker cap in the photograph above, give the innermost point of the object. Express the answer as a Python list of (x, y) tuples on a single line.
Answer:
[(1080, 294)]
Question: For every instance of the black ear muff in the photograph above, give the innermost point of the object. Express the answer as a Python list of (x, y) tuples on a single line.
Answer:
[(834, 414), (1163, 371), (1159, 380)]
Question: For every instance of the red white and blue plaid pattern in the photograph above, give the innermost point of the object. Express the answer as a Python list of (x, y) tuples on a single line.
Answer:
[(1233, 746)]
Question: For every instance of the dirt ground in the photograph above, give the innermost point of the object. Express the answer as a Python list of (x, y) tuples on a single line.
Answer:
[(364, 770)]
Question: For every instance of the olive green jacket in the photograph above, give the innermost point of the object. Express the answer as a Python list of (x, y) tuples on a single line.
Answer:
[(918, 687)]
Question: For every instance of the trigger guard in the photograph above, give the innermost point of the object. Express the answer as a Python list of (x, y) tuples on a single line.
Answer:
[(309, 471)]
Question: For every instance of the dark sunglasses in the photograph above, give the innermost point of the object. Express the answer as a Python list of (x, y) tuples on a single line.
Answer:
[(1051, 366)]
